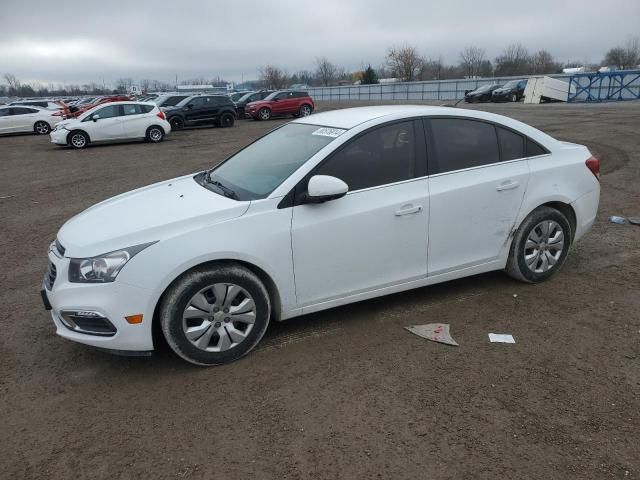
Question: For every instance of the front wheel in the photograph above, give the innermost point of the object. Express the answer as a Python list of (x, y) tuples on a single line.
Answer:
[(540, 246), (41, 127), (305, 111), (215, 315), (176, 123), (264, 114), (78, 139)]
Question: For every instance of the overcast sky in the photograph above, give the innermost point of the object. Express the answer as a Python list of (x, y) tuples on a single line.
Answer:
[(80, 41)]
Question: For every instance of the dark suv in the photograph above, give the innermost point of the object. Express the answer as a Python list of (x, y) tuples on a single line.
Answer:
[(284, 102), (249, 97), (196, 110)]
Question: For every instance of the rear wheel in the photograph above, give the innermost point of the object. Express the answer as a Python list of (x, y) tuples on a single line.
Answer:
[(540, 246), (41, 127), (154, 134), (227, 120), (514, 97), (305, 111), (78, 139), (264, 114), (177, 123), (215, 315)]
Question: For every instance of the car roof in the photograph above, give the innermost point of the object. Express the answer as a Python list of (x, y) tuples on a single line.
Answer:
[(351, 117)]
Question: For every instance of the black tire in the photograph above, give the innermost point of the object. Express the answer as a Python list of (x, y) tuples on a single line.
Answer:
[(177, 123), (179, 295), (41, 127), (77, 139), (517, 265), (305, 110), (155, 134), (264, 114), (227, 120)]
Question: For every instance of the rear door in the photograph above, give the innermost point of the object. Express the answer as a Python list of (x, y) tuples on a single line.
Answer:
[(212, 108), (476, 187), (5, 120), (194, 114), (280, 105), (22, 119), (134, 120)]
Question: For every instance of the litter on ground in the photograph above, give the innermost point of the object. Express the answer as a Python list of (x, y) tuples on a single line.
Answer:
[(436, 332), (501, 338)]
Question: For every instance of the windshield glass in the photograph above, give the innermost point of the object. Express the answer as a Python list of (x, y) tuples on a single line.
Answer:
[(258, 169), (245, 97), (484, 88), (511, 84), (271, 96)]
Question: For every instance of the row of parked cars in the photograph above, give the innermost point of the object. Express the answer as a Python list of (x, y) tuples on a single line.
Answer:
[(121, 118), (512, 91)]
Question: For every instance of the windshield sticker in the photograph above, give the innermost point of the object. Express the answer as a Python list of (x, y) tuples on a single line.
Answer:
[(329, 132)]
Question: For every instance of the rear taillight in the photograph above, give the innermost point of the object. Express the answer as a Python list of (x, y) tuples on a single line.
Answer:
[(593, 164), (161, 115)]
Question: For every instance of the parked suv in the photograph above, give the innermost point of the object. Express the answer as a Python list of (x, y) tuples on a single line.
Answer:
[(169, 100), (284, 102), (196, 110), (249, 97)]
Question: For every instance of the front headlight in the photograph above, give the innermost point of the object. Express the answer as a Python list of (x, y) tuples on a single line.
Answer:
[(102, 268)]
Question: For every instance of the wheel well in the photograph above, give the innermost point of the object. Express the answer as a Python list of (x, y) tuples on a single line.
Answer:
[(270, 285), (151, 126), (567, 211), (306, 104)]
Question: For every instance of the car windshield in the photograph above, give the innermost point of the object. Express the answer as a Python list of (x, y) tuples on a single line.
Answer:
[(271, 96), (484, 88), (255, 171), (245, 97), (511, 84)]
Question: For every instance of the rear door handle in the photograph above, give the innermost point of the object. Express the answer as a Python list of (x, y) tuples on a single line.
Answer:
[(508, 185), (408, 210)]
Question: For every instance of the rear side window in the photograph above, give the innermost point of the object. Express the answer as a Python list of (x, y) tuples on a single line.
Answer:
[(146, 108), (382, 156), (534, 149), (461, 144), (172, 101), (132, 109), (23, 110), (511, 143)]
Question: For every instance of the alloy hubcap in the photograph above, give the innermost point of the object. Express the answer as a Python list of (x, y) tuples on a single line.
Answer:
[(544, 246), (42, 128), (264, 114), (306, 111), (78, 140), (155, 134), (219, 317)]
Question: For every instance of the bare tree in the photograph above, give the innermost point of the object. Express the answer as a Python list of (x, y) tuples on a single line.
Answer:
[(145, 84), (624, 57), (514, 60), (274, 77), (326, 72), (543, 62), (123, 84), (404, 62), (12, 82), (472, 60)]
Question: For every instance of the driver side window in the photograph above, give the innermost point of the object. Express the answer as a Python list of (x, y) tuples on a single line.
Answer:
[(382, 156), (105, 112)]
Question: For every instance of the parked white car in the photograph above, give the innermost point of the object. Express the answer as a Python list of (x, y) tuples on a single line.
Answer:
[(20, 119), (46, 104), (326, 210), (111, 122)]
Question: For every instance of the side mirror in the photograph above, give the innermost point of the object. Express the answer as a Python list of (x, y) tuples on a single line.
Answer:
[(95, 117), (322, 188), (190, 106)]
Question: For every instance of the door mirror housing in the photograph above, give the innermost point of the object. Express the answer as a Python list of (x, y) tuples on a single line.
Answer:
[(95, 117), (323, 188)]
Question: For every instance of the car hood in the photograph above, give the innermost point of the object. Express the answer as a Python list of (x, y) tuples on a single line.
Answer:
[(257, 102), (148, 214), (68, 124)]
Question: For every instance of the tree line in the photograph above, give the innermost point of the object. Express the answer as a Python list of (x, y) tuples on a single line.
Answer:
[(404, 63)]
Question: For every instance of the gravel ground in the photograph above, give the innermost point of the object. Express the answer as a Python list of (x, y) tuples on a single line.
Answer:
[(346, 393)]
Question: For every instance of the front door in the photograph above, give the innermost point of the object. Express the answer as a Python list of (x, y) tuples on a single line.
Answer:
[(376, 235), (108, 126)]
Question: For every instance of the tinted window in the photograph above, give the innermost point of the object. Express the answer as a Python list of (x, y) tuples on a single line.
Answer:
[(172, 101), (23, 111), (109, 112), (197, 102), (132, 109), (511, 143), (463, 144), (534, 149), (384, 155), (4, 112), (146, 108)]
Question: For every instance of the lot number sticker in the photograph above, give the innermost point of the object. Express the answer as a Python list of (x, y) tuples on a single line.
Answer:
[(329, 132)]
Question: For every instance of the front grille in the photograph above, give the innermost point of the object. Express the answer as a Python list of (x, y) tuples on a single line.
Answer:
[(50, 276)]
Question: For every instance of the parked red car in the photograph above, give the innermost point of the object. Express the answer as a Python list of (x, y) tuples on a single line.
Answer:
[(282, 102), (73, 112)]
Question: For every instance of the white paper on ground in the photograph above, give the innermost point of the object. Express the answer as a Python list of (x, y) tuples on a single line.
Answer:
[(501, 338)]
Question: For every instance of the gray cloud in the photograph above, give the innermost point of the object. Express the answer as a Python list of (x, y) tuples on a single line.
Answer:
[(77, 41)]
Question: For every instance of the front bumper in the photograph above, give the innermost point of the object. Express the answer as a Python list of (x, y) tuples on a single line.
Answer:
[(111, 301), (59, 137)]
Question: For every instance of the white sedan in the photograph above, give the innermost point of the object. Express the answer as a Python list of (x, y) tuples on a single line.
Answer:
[(326, 210), (22, 119), (113, 121)]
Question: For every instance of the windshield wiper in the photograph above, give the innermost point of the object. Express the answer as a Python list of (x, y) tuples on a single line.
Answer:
[(226, 191)]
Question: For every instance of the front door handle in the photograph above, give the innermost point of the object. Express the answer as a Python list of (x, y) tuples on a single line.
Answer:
[(408, 210), (508, 185)]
